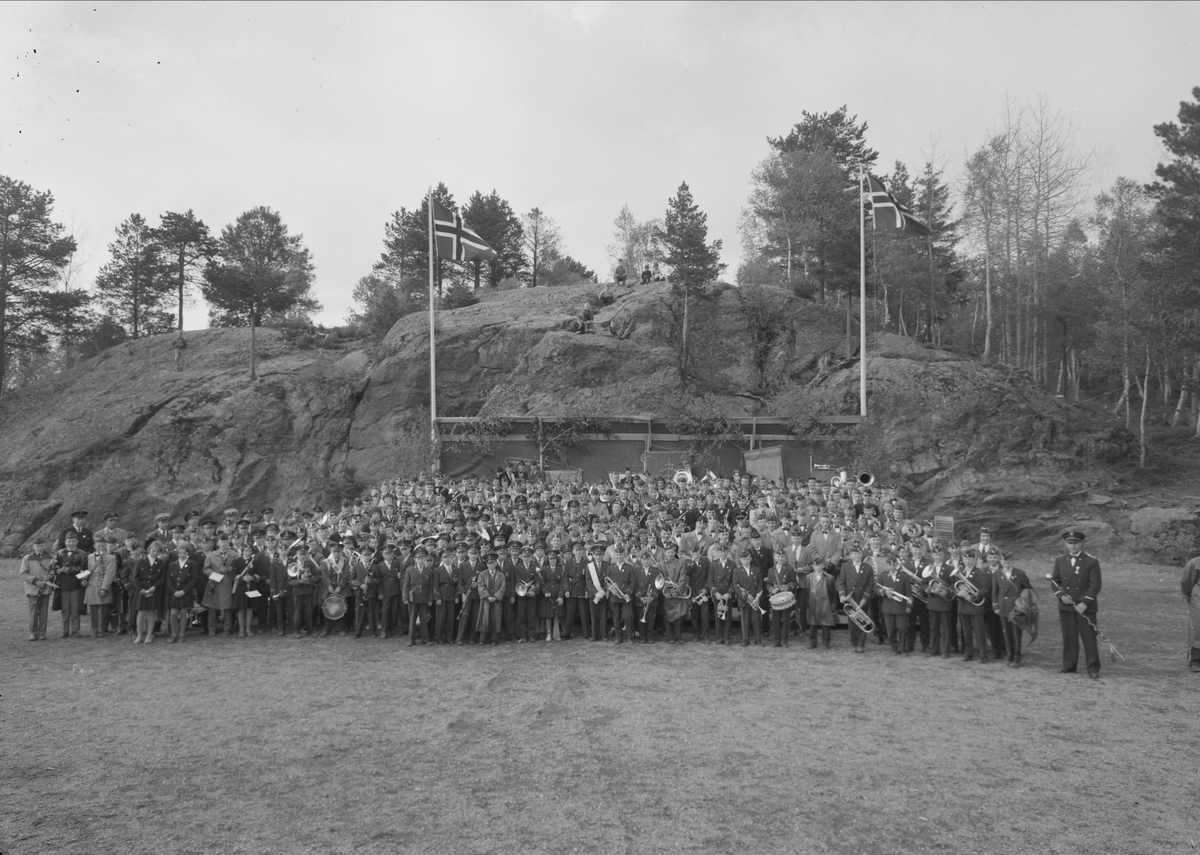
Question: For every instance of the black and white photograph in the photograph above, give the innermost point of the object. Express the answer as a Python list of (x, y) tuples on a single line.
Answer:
[(599, 427)]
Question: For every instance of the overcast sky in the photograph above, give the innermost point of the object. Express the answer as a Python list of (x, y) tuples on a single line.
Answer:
[(336, 115)]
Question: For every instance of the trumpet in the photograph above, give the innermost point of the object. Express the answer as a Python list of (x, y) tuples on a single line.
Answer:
[(745, 595), (701, 598), (965, 589), (722, 604), (855, 613)]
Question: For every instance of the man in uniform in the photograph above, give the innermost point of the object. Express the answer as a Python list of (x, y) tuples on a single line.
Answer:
[(1076, 580), (83, 535)]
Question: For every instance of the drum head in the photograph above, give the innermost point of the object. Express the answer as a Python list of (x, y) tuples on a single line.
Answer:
[(783, 600), (334, 607)]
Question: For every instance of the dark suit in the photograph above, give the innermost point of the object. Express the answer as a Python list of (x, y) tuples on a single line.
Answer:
[(1079, 577)]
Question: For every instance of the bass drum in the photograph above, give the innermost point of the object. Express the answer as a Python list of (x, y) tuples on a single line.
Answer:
[(334, 606)]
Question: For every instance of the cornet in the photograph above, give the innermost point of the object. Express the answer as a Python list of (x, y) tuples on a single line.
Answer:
[(918, 582)]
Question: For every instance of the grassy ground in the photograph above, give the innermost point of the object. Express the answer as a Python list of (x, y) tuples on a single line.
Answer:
[(337, 745)]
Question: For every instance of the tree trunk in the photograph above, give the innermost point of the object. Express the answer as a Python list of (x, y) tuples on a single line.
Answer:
[(1181, 406), (987, 292), (253, 351), (182, 281), (683, 357), (1145, 397)]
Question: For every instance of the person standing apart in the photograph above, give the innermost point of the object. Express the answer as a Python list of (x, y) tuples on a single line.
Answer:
[(1076, 579)]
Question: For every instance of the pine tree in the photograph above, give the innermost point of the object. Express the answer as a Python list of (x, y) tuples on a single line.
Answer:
[(134, 286), (187, 246), (694, 262), (35, 252), (493, 219)]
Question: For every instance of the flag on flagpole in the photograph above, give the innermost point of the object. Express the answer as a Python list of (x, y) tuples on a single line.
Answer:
[(887, 212), (455, 241)]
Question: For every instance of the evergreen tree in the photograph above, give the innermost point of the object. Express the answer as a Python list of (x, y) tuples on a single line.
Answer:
[(694, 262), (186, 246), (259, 270), (493, 219), (134, 286), (405, 258), (35, 252)]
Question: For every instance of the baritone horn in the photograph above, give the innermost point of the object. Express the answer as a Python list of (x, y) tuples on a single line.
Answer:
[(683, 476), (855, 613)]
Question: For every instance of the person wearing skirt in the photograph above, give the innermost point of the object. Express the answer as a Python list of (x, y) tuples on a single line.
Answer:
[(146, 581), (180, 592)]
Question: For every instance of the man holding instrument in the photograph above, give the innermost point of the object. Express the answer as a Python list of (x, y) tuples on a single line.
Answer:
[(1076, 582)]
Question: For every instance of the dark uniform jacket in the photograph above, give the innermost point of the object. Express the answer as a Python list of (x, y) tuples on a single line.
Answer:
[(1078, 576)]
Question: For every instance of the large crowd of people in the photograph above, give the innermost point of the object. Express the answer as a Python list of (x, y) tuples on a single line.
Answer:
[(517, 559)]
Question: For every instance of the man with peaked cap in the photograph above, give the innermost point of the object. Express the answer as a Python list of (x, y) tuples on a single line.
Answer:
[(84, 539), (388, 571), (1076, 582), (445, 592), (466, 574), (417, 592), (491, 586), (575, 592), (111, 529)]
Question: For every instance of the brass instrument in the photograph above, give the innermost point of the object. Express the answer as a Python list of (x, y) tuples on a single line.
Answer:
[(683, 476), (614, 589), (965, 589), (893, 594), (722, 605), (701, 598), (680, 590), (745, 595), (918, 591), (855, 613)]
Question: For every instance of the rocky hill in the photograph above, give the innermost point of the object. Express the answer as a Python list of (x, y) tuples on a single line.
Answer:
[(126, 431)]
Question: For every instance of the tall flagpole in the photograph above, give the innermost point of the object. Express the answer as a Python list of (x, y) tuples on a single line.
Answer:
[(433, 430), (862, 300)]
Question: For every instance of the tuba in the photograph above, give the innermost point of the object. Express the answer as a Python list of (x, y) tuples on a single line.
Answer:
[(865, 478), (683, 476)]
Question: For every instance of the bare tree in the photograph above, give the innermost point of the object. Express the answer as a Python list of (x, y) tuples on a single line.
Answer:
[(542, 243)]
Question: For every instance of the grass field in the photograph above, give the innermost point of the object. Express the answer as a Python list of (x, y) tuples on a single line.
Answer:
[(342, 745)]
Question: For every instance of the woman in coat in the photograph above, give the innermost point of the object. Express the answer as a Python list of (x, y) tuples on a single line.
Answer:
[(179, 591), (147, 581)]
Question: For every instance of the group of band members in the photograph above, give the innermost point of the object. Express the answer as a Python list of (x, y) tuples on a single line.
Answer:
[(515, 560)]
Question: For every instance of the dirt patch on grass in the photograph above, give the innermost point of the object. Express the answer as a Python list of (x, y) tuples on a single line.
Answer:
[(342, 745)]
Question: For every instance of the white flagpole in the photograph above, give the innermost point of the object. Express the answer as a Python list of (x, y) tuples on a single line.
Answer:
[(862, 300), (433, 430)]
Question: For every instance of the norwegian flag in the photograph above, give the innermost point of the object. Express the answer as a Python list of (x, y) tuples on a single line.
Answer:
[(886, 211), (454, 240)]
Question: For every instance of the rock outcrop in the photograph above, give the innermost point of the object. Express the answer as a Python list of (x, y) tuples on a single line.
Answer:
[(126, 431)]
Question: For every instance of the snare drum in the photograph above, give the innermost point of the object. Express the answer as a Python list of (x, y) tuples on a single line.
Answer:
[(782, 600)]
